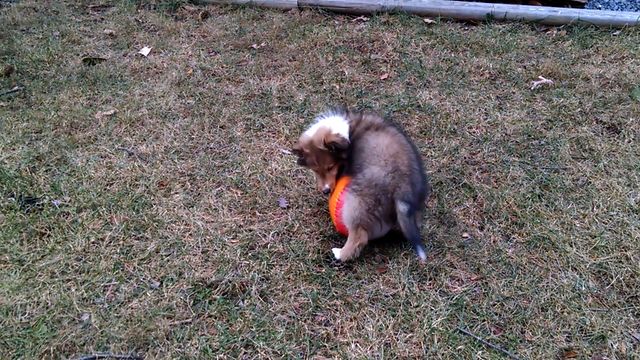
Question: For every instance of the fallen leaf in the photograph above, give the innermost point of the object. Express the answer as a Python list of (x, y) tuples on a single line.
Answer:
[(617, 32), (92, 60), (529, 337), (203, 15), (537, 83), (282, 202), (568, 353), (8, 70), (496, 330), (102, 114), (466, 235), (360, 18), (285, 151), (256, 46), (384, 76), (381, 269), (109, 32), (86, 317), (145, 51), (428, 21)]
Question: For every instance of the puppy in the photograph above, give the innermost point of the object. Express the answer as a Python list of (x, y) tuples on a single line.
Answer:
[(388, 185)]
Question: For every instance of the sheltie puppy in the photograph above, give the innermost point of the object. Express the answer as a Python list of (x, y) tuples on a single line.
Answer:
[(388, 187)]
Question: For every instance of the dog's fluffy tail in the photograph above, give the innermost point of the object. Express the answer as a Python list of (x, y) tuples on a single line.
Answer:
[(407, 219)]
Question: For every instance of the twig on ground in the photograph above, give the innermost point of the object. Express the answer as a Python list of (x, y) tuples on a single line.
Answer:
[(14, 90), (109, 355), (495, 347)]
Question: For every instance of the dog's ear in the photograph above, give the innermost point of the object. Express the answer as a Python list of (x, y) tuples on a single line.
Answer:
[(297, 151), (336, 143)]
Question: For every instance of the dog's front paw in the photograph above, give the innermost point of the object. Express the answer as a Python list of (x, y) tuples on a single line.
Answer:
[(336, 253)]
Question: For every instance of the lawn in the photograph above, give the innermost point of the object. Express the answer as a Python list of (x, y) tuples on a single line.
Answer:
[(139, 196)]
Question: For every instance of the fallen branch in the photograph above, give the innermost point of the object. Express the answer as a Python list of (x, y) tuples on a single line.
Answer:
[(495, 347), (109, 356), (14, 90)]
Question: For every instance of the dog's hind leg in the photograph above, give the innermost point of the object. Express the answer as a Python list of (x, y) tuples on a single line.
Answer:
[(355, 242), (408, 221)]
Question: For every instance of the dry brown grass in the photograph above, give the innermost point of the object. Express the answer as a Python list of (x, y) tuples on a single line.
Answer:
[(167, 239)]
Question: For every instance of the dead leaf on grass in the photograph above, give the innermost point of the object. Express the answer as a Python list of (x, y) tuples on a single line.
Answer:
[(85, 318), (203, 15), (162, 184), (8, 70), (529, 336), (256, 46), (109, 32), (542, 81), (145, 51), (360, 18), (568, 353), (103, 114), (384, 76), (429, 21), (93, 60), (496, 330)]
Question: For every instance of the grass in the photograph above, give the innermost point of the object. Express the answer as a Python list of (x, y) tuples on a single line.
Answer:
[(157, 230)]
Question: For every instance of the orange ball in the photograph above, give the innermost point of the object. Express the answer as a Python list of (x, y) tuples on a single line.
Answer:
[(336, 202)]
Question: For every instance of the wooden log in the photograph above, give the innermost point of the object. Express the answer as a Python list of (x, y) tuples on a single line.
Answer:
[(461, 10)]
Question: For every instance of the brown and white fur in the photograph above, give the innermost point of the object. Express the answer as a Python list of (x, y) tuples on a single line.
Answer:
[(388, 188)]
